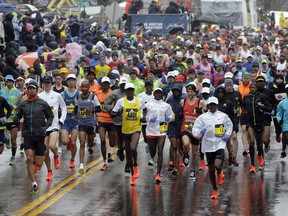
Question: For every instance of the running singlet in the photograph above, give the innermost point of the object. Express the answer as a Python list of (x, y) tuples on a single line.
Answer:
[(83, 117), (190, 114), (103, 116), (70, 101), (131, 116)]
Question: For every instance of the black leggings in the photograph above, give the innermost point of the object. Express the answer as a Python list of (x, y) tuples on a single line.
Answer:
[(284, 140)]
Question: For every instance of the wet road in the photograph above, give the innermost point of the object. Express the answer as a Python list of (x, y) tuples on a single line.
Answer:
[(109, 193)]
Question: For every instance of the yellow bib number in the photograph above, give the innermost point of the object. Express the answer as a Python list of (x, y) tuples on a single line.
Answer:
[(70, 108), (83, 113), (131, 114), (163, 127), (5, 111), (188, 127), (219, 130)]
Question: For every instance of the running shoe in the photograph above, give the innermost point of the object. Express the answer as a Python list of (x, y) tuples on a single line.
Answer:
[(127, 168), (261, 162), (283, 154), (158, 178), (12, 161), (192, 175), (120, 154), (215, 194), (151, 162), (49, 176), (181, 164), (69, 144), (136, 172), (245, 152), (147, 148), (110, 160), (252, 169), (202, 165), (175, 171), (34, 189), (278, 138), (81, 169), (104, 167), (267, 148), (230, 161), (133, 181), (186, 159), (7, 141), (72, 164), (57, 162), (221, 178), (36, 168), (171, 166), (234, 162)]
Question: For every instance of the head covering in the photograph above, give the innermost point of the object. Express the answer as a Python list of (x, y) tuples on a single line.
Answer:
[(206, 80), (105, 79), (63, 70), (229, 82), (206, 90), (48, 79), (71, 76), (129, 85), (157, 89), (228, 75), (32, 83), (260, 78), (9, 77), (122, 80), (212, 100), (180, 78), (246, 75)]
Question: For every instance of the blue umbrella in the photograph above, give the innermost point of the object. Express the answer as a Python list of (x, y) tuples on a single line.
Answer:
[(8, 8)]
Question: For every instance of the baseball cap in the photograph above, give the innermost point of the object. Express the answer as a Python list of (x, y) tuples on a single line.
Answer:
[(48, 79), (258, 48), (206, 80), (260, 78), (140, 45), (32, 83), (212, 100), (249, 56), (91, 72), (129, 58), (71, 76), (154, 43), (206, 90), (96, 52), (19, 78), (239, 60), (122, 80), (200, 71), (63, 70), (198, 46), (9, 77), (157, 89), (228, 82), (264, 61), (129, 85), (105, 79), (255, 64), (170, 74), (180, 78), (245, 75), (148, 82), (228, 75), (204, 56), (210, 56), (109, 50)]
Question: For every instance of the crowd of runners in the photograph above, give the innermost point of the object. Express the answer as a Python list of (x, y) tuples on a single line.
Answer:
[(197, 89)]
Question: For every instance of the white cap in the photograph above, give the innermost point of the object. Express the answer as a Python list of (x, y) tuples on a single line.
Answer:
[(170, 74), (28, 80), (109, 50), (105, 79), (129, 85), (154, 43), (238, 60), (249, 55), (122, 80), (199, 46), (228, 75), (258, 48), (213, 40), (206, 90), (140, 45), (179, 55), (71, 76), (206, 80), (276, 42), (212, 100), (210, 56), (176, 72), (115, 72), (157, 89)]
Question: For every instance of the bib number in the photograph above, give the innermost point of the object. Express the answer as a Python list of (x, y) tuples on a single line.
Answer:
[(131, 114), (219, 130), (163, 127), (70, 108), (83, 113)]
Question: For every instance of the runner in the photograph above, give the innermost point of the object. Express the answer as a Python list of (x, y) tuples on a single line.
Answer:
[(86, 106), (34, 111), (158, 115), (69, 131), (254, 106), (10, 93), (4, 106), (192, 108), (214, 127), (105, 123), (132, 108), (55, 101)]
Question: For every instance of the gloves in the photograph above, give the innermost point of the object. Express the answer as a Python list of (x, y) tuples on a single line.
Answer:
[(281, 122), (143, 120), (153, 120), (60, 123), (3, 120), (225, 137), (203, 131), (167, 119)]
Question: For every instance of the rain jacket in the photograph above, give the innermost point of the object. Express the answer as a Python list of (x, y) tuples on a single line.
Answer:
[(282, 114), (212, 122), (158, 109), (139, 86)]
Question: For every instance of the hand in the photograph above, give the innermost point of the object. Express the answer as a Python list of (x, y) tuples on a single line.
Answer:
[(225, 138), (88, 110), (153, 120), (73, 118), (167, 119), (3, 120), (60, 123), (259, 104), (203, 131), (281, 122), (273, 113)]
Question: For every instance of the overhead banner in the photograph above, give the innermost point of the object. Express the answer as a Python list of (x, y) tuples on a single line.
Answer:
[(159, 23)]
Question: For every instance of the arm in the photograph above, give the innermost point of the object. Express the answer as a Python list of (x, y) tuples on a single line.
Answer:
[(48, 115), (63, 109), (280, 112), (228, 125), (8, 108)]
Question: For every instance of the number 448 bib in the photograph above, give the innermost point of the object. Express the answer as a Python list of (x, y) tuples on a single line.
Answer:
[(219, 130)]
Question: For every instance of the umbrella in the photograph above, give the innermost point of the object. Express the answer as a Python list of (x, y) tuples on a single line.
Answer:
[(8, 8), (26, 60), (51, 15), (75, 50), (176, 30), (27, 8)]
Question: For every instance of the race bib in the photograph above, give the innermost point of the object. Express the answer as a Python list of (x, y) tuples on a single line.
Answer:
[(188, 126), (163, 127), (5, 111), (70, 108), (219, 130), (131, 114), (83, 113)]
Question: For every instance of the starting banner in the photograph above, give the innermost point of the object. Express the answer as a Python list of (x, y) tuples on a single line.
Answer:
[(159, 23)]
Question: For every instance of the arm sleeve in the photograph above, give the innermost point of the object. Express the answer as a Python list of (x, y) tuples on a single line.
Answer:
[(170, 113), (228, 125), (48, 115), (198, 126), (8, 108), (118, 105), (63, 109)]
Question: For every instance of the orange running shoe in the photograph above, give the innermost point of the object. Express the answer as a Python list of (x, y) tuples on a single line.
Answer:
[(221, 178), (49, 176), (158, 178), (72, 164), (133, 181), (57, 162), (261, 162), (252, 169), (136, 172), (36, 168), (104, 167), (181, 164), (202, 165), (215, 194)]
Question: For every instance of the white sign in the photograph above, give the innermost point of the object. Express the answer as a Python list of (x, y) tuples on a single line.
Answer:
[(113, 12)]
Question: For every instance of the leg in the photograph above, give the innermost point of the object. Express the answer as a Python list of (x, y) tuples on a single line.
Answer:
[(186, 148), (82, 139), (161, 143), (133, 145), (74, 135), (29, 164), (152, 146), (14, 132), (252, 135), (266, 138), (174, 148), (245, 138), (195, 149), (102, 134)]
